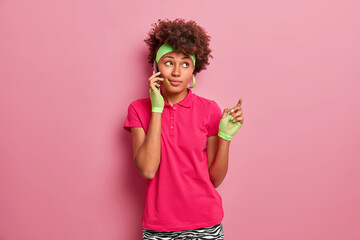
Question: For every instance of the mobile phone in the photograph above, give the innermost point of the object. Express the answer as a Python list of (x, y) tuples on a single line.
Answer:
[(156, 69)]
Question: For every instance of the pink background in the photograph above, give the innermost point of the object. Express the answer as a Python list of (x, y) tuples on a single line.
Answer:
[(69, 69)]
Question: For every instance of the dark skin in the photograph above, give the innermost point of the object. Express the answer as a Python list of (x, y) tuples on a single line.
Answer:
[(178, 66), (174, 66), (235, 112), (218, 148)]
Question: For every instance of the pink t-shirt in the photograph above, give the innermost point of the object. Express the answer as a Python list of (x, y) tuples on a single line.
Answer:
[(181, 195)]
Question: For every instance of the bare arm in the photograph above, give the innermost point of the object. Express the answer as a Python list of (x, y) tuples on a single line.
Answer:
[(218, 148), (146, 148), (218, 159), (211, 148)]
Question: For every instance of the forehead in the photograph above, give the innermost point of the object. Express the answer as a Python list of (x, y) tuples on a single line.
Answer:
[(177, 55)]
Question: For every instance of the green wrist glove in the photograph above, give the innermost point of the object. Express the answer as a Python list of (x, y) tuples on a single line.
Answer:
[(157, 101), (228, 128)]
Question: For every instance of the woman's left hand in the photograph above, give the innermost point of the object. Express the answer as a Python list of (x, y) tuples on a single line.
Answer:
[(236, 113), (231, 121)]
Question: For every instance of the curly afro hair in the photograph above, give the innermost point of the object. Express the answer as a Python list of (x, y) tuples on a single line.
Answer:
[(187, 37)]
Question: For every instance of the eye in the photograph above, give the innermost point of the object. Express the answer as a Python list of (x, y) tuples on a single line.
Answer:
[(186, 64), (168, 63)]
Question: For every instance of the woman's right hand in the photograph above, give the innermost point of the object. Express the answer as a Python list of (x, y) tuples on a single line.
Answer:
[(153, 80), (157, 100)]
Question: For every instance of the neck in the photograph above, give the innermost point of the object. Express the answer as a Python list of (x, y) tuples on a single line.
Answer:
[(173, 98)]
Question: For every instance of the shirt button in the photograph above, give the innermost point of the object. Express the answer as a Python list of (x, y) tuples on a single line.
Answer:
[(172, 126), (172, 117), (174, 107)]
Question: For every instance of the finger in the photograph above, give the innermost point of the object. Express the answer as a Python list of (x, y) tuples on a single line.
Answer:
[(152, 80), (158, 82), (239, 119), (154, 75), (237, 114), (235, 109), (239, 102), (225, 112), (154, 86)]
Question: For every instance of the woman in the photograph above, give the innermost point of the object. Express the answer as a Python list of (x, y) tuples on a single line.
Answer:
[(181, 140)]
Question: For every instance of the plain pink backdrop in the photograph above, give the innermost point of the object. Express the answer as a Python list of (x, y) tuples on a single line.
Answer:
[(69, 69)]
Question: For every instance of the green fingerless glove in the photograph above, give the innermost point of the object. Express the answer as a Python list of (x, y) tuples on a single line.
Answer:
[(157, 101), (228, 128)]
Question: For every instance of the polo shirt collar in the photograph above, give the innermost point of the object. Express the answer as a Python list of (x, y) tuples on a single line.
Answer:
[(186, 102)]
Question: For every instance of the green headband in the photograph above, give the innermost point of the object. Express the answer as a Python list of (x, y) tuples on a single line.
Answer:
[(166, 48)]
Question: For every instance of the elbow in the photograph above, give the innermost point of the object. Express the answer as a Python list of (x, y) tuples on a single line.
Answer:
[(148, 174), (217, 179), (216, 184), (145, 171), (147, 164)]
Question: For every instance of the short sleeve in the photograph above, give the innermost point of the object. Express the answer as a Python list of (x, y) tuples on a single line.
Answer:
[(132, 119), (215, 116)]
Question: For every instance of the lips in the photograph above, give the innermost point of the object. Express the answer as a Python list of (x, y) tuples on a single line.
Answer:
[(175, 83)]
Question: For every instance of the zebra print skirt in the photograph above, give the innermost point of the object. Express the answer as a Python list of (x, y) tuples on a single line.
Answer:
[(209, 233)]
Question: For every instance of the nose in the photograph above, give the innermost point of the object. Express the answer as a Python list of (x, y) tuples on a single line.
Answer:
[(176, 71)]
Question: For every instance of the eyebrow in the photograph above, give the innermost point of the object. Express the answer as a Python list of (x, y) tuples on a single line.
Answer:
[(173, 57)]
